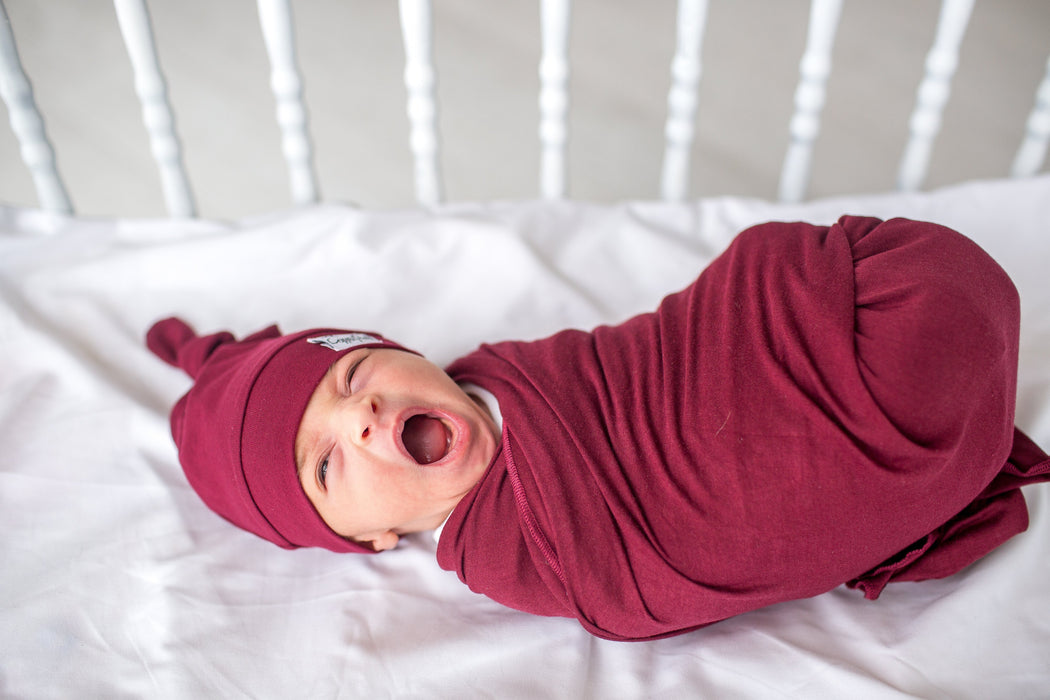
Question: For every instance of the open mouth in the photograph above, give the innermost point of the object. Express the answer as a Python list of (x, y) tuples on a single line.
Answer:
[(426, 439)]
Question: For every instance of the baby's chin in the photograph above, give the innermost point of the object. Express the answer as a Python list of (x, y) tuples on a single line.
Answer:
[(472, 460)]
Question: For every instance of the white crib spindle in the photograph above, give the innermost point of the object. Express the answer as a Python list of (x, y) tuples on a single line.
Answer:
[(809, 97), (686, 68), (554, 96), (133, 18), (275, 18), (28, 125), (1032, 152), (417, 32), (933, 92)]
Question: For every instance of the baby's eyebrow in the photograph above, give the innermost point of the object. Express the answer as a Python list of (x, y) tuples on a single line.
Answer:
[(302, 452), (300, 460)]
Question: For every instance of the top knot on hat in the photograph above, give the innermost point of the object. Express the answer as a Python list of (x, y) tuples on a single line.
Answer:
[(175, 342), (236, 427)]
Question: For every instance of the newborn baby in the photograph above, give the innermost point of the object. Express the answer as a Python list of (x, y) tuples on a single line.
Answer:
[(823, 405)]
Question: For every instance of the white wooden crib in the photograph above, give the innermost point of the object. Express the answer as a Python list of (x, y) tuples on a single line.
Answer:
[(398, 192), (932, 88)]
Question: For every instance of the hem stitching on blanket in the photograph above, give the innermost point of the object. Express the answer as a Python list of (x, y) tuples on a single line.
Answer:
[(526, 511)]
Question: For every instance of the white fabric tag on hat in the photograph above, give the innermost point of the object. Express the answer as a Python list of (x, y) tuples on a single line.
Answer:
[(344, 341)]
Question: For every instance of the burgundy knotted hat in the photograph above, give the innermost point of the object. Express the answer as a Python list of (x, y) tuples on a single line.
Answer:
[(235, 428)]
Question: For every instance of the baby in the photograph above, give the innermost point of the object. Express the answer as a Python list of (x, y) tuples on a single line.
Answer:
[(823, 405)]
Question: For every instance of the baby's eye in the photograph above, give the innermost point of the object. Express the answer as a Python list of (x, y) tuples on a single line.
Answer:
[(350, 373), (322, 471)]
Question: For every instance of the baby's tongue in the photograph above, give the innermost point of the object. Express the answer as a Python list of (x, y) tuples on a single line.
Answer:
[(425, 438)]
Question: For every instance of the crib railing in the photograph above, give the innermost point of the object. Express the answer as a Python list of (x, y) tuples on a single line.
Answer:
[(683, 107), (28, 125)]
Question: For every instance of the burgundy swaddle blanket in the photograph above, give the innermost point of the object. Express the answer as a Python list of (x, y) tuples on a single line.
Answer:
[(822, 405)]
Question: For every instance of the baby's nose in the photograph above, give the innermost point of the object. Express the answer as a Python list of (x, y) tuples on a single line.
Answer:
[(363, 418)]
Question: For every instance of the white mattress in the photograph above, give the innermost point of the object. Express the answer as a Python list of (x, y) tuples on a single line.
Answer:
[(116, 581)]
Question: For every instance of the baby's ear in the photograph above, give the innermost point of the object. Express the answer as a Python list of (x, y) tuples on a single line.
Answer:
[(380, 541)]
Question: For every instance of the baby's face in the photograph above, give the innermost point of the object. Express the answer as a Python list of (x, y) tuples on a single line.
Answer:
[(389, 444)]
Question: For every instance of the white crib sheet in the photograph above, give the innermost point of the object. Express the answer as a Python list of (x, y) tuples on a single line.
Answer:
[(116, 581)]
